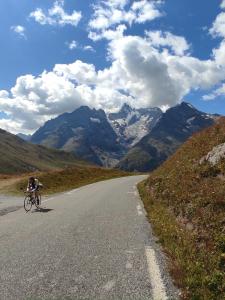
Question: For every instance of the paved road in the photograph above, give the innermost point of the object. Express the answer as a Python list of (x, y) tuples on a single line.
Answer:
[(91, 243)]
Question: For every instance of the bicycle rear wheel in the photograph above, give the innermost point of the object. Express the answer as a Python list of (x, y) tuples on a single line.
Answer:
[(38, 201), (27, 203)]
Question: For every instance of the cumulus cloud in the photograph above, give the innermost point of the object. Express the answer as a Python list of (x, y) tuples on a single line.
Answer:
[(216, 93), (72, 45), (159, 78), (218, 54), (89, 48), (145, 10), (20, 30), (140, 74), (112, 13), (109, 34), (154, 70), (34, 100), (222, 5), (56, 15), (218, 28), (75, 45), (177, 44)]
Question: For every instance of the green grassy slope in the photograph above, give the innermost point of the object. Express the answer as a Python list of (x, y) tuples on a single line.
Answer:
[(185, 201), (18, 156)]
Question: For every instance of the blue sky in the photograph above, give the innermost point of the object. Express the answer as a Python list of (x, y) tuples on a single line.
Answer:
[(92, 65)]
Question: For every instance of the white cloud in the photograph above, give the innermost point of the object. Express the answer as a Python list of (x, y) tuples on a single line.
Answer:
[(222, 5), (209, 97), (154, 70), (145, 10), (117, 3), (78, 71), (218, 28), (177, 44), (108, 34), (216, 93), (140, 74), (89, 48), (56, 15), (12, 126), (72, 45), (20, 30), (110, 13)]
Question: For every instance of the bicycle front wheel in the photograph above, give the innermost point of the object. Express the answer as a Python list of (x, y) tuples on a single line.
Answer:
[(38, 201), (27, 203)]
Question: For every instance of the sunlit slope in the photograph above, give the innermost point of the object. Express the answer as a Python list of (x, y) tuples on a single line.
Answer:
[(185, 200), (18, 156)]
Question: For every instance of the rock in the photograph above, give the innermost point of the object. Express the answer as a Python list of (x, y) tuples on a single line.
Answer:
[(215, 155)]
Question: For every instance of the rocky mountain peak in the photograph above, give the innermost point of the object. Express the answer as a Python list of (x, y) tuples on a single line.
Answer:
[(131, 124)]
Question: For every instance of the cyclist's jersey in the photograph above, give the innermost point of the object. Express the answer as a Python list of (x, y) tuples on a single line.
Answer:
[(35, 185)]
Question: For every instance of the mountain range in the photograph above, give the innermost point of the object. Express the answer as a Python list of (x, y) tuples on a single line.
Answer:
[(130, 139)]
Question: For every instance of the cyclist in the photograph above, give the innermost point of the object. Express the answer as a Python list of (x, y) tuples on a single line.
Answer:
[(34, 186)]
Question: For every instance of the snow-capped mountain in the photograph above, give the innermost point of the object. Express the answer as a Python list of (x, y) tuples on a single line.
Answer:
[(132, 139), (131, 124), (92, 135), (175, 126)]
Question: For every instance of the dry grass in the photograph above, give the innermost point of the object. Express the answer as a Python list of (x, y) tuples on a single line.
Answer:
[(186, 204), (61, 180)]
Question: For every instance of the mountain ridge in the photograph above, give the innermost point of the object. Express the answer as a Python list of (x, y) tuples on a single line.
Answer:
[(131, 139), (131, 124), (85, 132), (175, 126), (19, 156)]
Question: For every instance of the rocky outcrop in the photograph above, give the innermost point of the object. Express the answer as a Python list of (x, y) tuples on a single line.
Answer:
[(214, 156)]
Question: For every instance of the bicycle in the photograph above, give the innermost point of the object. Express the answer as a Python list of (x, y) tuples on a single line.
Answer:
[(31, 200)]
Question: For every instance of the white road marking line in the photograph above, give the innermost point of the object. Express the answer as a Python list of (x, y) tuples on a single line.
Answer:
[(47, 200), (133, 193), (67, 193), (139, 210), (158, 288), (71, 192)]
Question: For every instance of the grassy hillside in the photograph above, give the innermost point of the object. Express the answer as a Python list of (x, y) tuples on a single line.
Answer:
[(60, 180), (185, 201), (18, 156)]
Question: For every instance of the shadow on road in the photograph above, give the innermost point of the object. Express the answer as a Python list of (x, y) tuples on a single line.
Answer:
[(8, 210), (43, 210)]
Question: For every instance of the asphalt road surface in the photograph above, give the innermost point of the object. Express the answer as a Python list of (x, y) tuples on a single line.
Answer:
[(90, 243)]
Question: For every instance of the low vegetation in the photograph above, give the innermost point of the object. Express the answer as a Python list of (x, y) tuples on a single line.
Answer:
[(19, 156), (185, 201), (60, 180)]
